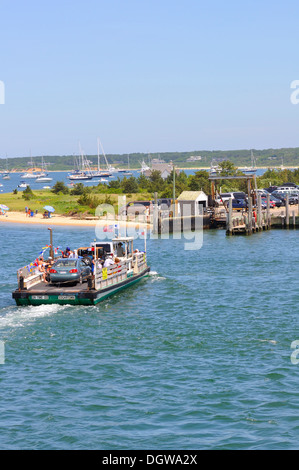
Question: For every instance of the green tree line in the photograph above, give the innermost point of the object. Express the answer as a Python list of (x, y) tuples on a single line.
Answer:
[(145, 187)]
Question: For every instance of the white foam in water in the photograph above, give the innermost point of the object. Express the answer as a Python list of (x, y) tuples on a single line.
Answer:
[(20, 316), (155, 276)]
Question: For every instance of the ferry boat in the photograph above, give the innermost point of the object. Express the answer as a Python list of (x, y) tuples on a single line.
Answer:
[(129, 267)]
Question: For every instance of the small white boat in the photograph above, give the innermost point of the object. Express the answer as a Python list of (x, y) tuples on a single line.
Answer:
[(144, 167), (43, 179), (22, 185), (252, 169), (29, 176), (214, 170), (80, 176)]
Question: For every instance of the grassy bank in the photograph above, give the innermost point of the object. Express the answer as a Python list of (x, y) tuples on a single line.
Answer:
[(64, 204)]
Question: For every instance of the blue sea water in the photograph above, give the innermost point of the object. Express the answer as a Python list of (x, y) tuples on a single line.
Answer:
[(196, 356)]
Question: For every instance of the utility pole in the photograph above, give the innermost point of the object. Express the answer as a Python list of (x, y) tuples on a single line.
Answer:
[(51, 244), (173, 192)]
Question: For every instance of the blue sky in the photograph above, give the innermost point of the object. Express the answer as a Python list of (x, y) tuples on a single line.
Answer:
[(147, 76)]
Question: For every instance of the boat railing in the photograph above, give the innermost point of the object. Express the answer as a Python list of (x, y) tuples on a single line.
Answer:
[(119, 271), (113, 274), (28, 276), (139, 262)]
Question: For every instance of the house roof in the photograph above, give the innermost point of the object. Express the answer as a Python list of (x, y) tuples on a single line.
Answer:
[(162, 167), (191, 195)]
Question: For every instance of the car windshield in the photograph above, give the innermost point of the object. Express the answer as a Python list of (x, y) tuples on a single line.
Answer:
[(61, 263)]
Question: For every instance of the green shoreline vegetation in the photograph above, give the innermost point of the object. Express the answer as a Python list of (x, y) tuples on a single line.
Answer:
[(266, 158), (81, 200)]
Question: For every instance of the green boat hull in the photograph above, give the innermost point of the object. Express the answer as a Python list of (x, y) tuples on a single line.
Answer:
[(84, 297)]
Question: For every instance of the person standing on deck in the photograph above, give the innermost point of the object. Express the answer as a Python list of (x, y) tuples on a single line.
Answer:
[(108, 261)]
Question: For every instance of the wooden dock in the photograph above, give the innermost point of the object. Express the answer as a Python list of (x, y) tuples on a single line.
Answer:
[(256, 220)]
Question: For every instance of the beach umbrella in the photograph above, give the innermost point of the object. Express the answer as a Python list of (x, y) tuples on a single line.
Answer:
[(4, 207), (49, 208)]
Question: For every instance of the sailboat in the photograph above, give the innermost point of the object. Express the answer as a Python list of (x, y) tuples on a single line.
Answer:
[(126, 172), (5, 175), (30, 173), (215, 168), (99, 172), (144, 167), (250, 170), (83, 172), (43, 176)]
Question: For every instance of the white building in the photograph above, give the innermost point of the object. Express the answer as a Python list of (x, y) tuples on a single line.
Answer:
[(190, 201)]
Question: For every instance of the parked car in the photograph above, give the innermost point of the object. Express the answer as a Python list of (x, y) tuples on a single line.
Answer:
[(224, 197), (271, 189), (70, 270), (239, 204), (277, 202), (295, 196), (271, 203), (279, 196), (163, 203), (293, 200), (262, 192), (289, 187)]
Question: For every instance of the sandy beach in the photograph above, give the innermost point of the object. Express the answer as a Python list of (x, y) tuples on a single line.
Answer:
[(21, 218), (56, 219)]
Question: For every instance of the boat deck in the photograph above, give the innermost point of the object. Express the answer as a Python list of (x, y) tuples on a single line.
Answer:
[(43, 288), (80, 294)]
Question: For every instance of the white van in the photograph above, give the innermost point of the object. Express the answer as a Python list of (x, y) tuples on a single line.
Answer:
[(224, 197), (287, 190)]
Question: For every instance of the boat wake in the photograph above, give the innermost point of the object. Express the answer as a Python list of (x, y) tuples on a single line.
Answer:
[(18, 317), (155, 276)]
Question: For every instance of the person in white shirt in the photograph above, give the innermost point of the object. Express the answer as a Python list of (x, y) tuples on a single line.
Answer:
[(108, 261), (100, 264)]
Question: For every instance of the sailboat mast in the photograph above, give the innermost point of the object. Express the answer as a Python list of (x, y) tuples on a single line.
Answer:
[(99, 154), (104, 155)]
